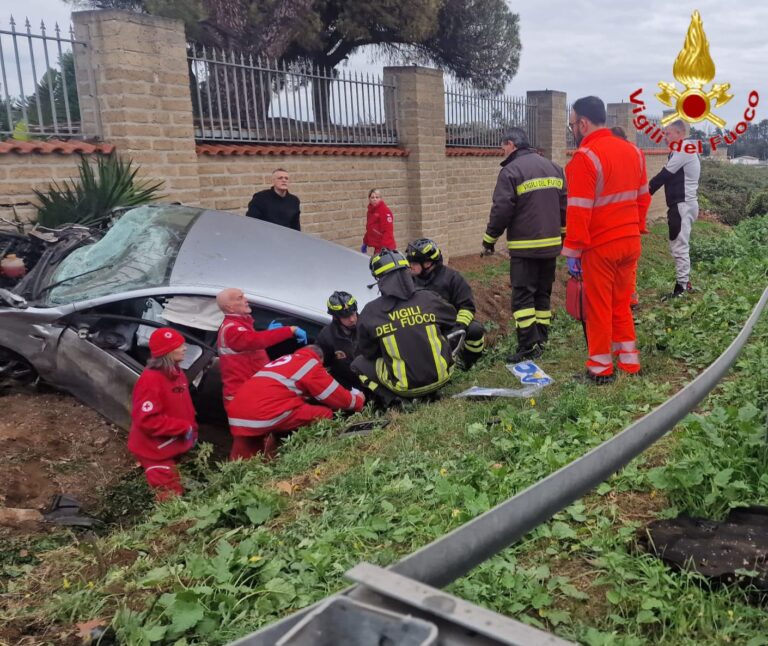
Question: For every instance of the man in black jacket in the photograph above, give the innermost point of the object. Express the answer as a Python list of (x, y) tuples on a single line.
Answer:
[(338, 339), (401, 335), (529, 201), (276, 204), (429, 272)]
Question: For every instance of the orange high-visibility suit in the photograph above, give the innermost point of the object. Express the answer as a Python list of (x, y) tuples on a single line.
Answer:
[(608, 202)]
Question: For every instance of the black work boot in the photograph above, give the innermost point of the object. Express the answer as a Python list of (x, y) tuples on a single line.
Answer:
[(528, 353), (680, 290)]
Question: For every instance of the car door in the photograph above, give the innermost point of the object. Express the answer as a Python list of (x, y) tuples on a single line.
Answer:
[(98, 359)]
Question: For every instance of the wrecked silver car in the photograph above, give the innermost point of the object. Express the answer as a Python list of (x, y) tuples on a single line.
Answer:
[(81, 317)]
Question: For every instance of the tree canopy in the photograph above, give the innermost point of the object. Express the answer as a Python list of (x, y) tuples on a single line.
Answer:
[(476, 40)]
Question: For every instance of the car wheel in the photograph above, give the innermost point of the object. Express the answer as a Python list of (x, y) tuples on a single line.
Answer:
[(15, 371)]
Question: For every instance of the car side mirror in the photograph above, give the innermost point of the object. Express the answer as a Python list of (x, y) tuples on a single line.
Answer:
[(12, 300)]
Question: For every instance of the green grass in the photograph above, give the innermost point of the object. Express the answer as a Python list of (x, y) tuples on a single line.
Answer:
[(238, 552)]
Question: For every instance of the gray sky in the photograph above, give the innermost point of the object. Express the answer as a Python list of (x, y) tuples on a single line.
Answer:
[(603, 47)]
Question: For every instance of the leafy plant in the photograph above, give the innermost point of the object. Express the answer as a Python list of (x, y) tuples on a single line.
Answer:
[(91, 200)]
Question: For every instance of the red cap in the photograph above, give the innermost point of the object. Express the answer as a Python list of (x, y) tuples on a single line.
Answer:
[(164, 340)]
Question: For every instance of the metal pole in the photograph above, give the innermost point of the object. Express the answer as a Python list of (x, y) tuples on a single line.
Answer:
[(24, 114), (218, 93), (208, 90), (458, 552), (64, 76), (40, 121), (236, 85), (225, 69), (195, 69), (253, 96), (5, 87), (54, 116)]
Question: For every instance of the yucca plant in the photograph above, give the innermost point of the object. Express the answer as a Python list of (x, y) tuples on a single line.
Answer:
[(90, 201)]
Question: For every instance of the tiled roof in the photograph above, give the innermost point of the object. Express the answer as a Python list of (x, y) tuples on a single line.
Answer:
[(473, 152), (54, 146), (253, 149)]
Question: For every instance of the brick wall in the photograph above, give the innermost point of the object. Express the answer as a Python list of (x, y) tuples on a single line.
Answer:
[(19, 174), (333, 190)]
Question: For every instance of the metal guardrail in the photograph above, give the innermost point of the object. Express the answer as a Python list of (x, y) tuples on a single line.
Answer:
[(455, 554), (238, 98), (52, 107), (473, 119)]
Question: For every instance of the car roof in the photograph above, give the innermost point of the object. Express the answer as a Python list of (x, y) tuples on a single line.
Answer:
[(269, 262)]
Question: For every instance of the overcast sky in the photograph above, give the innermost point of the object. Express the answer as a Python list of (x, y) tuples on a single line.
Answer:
[(603, 47)]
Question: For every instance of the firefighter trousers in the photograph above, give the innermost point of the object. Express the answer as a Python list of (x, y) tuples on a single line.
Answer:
[(531, 280), (609, 274), (474, 344)]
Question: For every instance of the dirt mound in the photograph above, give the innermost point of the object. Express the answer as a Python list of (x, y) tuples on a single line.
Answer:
[(50, 443), (489, 278)]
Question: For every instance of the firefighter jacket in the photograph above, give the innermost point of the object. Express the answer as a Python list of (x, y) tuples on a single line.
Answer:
[(608, 194), (380, 227), (338, 344), (529, 202), (406, 340), (162, 417), (284, 385), (242, 350), (453, 288)]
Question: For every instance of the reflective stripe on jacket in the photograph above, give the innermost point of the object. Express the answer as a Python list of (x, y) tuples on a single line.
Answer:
[(280, 387), (529, 202), (406, 340), (608, 194), (453, 288), (242, 350)]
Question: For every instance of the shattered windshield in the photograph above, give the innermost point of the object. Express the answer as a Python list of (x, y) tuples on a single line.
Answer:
[(136, 253)]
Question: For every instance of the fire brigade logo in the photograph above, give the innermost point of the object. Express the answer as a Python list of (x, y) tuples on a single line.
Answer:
[(694, 68), (147, 406)]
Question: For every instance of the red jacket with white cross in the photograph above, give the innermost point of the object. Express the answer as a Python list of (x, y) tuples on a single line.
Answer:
[(163, 417)]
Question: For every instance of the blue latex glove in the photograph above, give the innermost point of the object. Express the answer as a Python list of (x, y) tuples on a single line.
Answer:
[(364, 248), (301, 335), (189, 434), (574, 267), (274, 325)]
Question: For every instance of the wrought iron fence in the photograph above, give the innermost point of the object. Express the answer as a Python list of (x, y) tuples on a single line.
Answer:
[(237, 98), (473, 119), (39, 91)]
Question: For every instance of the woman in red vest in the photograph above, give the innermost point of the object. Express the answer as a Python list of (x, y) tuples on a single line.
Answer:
[(380, 225), (163, 423)]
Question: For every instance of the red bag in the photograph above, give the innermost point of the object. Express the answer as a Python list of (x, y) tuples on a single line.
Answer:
[(574, 298)]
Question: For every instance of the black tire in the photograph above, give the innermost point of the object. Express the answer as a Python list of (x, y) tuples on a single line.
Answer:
[(15, 371)]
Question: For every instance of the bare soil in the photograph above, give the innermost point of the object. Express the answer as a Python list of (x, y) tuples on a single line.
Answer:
[(49, 444)]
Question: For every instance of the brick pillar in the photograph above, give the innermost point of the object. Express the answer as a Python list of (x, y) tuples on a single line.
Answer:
[(551, 123), (133, 84), (421, 129), (620, 114)]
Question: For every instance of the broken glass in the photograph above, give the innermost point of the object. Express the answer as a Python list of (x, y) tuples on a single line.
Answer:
[(138, 252)]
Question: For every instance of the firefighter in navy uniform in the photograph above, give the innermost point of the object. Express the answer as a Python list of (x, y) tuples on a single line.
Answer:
[(401, 344), (338, 339), (429, 272), (529, 201)]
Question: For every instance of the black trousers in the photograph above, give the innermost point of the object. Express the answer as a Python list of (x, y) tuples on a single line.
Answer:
[(531, 280), (474, 344)]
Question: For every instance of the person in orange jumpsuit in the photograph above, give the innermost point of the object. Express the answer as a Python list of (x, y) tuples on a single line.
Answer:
[(608, 203)]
